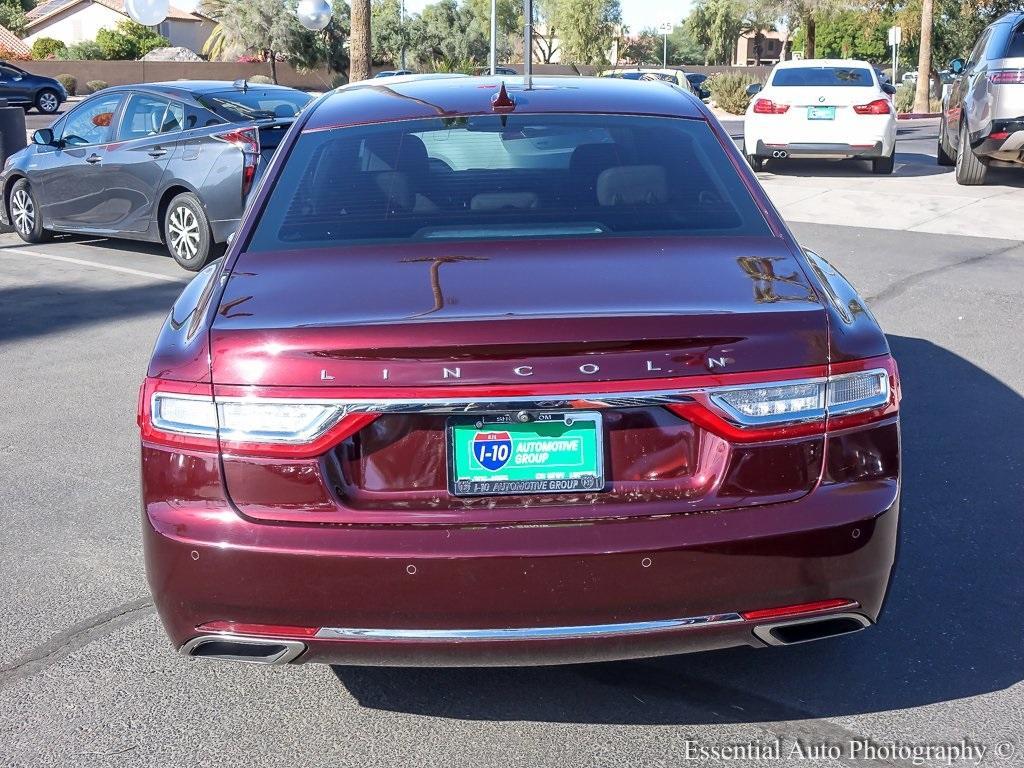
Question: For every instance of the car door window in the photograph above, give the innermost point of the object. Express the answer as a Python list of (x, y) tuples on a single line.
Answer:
[(174, 118), (91, 123), (978, 54), (1015, 45), (143, 116), (8, 75)]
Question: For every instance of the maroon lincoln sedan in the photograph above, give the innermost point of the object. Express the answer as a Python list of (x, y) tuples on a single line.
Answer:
[(508, 373)]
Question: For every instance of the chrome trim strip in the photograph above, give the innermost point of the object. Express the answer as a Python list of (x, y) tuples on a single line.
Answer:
[(292, 648), (528, 633), (763, 632)]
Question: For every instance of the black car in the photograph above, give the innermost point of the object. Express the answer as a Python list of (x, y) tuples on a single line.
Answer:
[(698, 81), (164, 162), (23, 89)]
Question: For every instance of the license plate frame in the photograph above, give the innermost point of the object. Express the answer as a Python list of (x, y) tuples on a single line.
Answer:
[(475, 479), (821, 113)]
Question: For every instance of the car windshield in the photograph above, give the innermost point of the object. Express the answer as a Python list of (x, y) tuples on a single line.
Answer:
[(823, 76), (493, 177), (255, 103)]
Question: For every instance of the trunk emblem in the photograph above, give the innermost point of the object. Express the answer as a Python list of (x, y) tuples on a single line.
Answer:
[(719, 362)]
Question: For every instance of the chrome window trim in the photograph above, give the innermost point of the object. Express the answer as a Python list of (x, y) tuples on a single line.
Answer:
[(528, 633)]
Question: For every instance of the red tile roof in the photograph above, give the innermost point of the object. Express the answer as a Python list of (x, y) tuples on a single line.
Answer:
[(11, 43)]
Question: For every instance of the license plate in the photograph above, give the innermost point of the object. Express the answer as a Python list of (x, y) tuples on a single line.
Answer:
[(499, 454), (821, 113)]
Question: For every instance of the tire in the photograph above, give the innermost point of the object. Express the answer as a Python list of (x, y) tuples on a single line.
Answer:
[(47, 101), (942, 157), (970, 169), (23, 210), (187, 232), (756, 163), (884, 165)]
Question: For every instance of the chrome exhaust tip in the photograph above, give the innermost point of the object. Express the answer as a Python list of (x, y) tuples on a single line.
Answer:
[(798, 631), (780, 153), (251, 650)]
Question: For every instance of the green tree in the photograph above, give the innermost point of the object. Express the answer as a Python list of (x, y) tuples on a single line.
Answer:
[(716, 25), (546, 44), (129, 40), (852, 35), (645, 48), (444, 38), (390, 35), (586, 28), (47, 47), (683, 48), (306, 49), (264, 26), (510, 24), (12, 16)]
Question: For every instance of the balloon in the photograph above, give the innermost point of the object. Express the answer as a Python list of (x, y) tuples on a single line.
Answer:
[(188, 6), (147, 12), (314, 14)]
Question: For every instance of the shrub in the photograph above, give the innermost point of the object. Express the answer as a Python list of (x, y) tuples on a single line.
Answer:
[(904, 98), (46, 48), (87, 50), (259, 80), (95, 85), (129, 41), (70, 83), (729, 90)]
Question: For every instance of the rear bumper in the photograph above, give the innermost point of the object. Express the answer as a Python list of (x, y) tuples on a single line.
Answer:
[(1009, 148), (511, 595), (876, 149)]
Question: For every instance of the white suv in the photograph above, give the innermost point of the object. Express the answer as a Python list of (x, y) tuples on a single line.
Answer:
[(831, 108)]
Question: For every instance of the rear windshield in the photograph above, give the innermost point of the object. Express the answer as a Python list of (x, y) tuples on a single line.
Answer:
[(823, 76), (255, 103), (1015, 45), (477, 178)]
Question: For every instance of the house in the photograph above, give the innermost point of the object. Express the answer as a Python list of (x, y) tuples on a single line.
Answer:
[(75, 21), (772, 45), (10, 43)]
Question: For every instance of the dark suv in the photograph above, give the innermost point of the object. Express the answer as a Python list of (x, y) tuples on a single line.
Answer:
[(23, 89), (983, 115), (164, 162)]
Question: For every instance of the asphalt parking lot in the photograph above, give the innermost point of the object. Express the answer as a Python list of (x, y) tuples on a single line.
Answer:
[(87, 677)]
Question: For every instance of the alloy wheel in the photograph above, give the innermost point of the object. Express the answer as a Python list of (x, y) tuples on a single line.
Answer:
[(48, 102), (23, 211), (183, 232)]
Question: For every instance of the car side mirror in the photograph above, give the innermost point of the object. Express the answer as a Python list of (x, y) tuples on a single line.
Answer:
[(889, 88), (753, 89), (956, 66), (43, 137)]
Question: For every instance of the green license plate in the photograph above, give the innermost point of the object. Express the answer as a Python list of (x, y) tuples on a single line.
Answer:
[(498, 454), (821, 113)]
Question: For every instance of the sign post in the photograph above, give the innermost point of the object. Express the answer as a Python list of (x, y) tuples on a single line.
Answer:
[(666, 29), (895, 38)]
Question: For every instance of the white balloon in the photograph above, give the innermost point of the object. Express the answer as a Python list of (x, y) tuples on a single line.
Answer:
[(188, 6), (314, 14), (147, 12)]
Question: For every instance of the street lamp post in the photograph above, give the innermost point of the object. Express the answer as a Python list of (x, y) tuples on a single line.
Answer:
[(401, 29), (528, 44), (494, 37)]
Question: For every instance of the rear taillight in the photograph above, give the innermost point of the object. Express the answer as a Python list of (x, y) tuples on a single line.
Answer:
[(999, 135), (1006, 76), (182, 415), (247, 140), (769, 107), (876, 107)]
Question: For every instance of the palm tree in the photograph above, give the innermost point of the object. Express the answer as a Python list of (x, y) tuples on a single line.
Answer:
[(924, 60), (359, 41)]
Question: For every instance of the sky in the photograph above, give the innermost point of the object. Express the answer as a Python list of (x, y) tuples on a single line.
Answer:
[(636, 14)]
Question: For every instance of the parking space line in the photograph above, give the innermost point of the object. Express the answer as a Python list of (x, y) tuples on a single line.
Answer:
[(98, 265)]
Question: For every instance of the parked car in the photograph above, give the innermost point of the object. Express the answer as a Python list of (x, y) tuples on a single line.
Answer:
[(698, 81), (163, 162), (23, 89), (831, 108), (982, 121), (491, 376), (675, 76), (394, 72), (499, 70)]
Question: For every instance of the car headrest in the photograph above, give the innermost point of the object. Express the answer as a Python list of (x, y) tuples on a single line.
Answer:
[(398, 194), (397, 152), (499, 201), (632, 185)]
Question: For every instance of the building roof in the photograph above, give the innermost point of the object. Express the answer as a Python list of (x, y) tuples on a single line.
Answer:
[(411, 97), (11, 43), (50, 8)]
